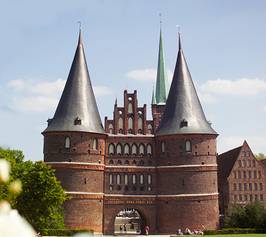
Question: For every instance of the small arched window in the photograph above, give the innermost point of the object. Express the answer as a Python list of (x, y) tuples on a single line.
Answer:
[(120, 123), (163, 147), (126, 149), (130, 108), (110, 179), (188, 146), (134, 179), (149, 179), (95, 144), (118, 149), (149, 149), (111, 128), (67, 142), (111, 149), (134, 149), (118, 179), (141, 149), (141, 179), (149, 127), (126, 179), (130, 123), (140, 124)]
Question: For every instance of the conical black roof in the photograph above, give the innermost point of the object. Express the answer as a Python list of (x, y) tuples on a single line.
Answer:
[(183, 112), (77, 109)]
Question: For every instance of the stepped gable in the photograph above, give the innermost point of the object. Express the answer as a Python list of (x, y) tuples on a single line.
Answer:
[(77, 109)]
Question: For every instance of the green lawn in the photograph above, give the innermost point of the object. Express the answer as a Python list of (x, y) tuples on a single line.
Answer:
[(236, 235)]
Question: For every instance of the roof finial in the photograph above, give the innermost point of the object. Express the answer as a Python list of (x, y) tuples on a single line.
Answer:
[(179, 36), (79, 22), (80, 38), (160, 15)]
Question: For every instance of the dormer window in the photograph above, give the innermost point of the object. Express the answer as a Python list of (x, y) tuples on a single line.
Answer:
[(183, 123), (49, 121), (77, 121)]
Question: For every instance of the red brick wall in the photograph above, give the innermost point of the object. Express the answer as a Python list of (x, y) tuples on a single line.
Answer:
[(80, 169)]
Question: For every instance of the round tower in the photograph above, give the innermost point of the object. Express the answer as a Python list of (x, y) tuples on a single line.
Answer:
[(186, 159), (74, 145)]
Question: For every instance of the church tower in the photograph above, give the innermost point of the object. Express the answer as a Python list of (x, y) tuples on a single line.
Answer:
[(161, 89), (186, 159), (74, 145)]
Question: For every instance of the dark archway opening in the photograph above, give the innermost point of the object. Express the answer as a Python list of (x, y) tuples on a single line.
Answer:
[(129, 221)]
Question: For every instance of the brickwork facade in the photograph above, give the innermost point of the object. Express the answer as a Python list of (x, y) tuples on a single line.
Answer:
[(171, 185), (241, 178)]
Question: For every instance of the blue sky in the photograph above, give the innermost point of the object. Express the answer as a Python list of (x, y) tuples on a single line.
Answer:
[(223, 41)]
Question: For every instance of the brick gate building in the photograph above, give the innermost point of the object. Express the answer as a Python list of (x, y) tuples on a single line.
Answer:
[(163, 169)]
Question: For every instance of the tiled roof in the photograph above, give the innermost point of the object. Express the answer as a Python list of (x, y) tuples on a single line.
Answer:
[(226, 162)]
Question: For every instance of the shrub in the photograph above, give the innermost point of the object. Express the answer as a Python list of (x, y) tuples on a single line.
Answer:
[(62, 232), (252, 215)]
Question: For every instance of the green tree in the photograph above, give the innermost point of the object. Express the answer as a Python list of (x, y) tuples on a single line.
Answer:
[(260, 156), (250, 216), (42, 196)]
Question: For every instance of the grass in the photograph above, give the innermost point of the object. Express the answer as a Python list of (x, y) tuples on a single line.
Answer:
[(236, 235)]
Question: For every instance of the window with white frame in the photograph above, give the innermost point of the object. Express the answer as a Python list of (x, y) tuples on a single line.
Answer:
[(149, 179), (134, 179), (188, 146), (141, 179), (118, 149), (67, 142), (111, 149), (110, 179), (126, 149), (126, 179), (130, 108), (149, 149), (95, 144), (120, 123), (134, 149), (118, 179), (130, 123), (140, 123), (141, 149)]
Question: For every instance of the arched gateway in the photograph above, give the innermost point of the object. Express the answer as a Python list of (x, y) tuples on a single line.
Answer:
[(129, 221)]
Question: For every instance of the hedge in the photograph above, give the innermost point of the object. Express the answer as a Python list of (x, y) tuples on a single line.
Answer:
[(234, 231), (63, 232)]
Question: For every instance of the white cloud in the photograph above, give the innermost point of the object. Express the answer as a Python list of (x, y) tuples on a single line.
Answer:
[(239, 87), (206, 98), (102, 91), (256, 143), (46, 88), (41, 96), (34, 103), (147, 74)]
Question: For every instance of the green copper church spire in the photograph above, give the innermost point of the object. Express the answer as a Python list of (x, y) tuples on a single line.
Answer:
[(162, 87), (153, 99)]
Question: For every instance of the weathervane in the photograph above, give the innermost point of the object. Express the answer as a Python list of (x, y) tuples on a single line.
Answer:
[(79, 22), (178, 29)]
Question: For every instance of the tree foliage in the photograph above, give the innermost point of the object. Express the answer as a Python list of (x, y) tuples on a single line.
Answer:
[(42, 196), (260, 156), (252, 215)]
